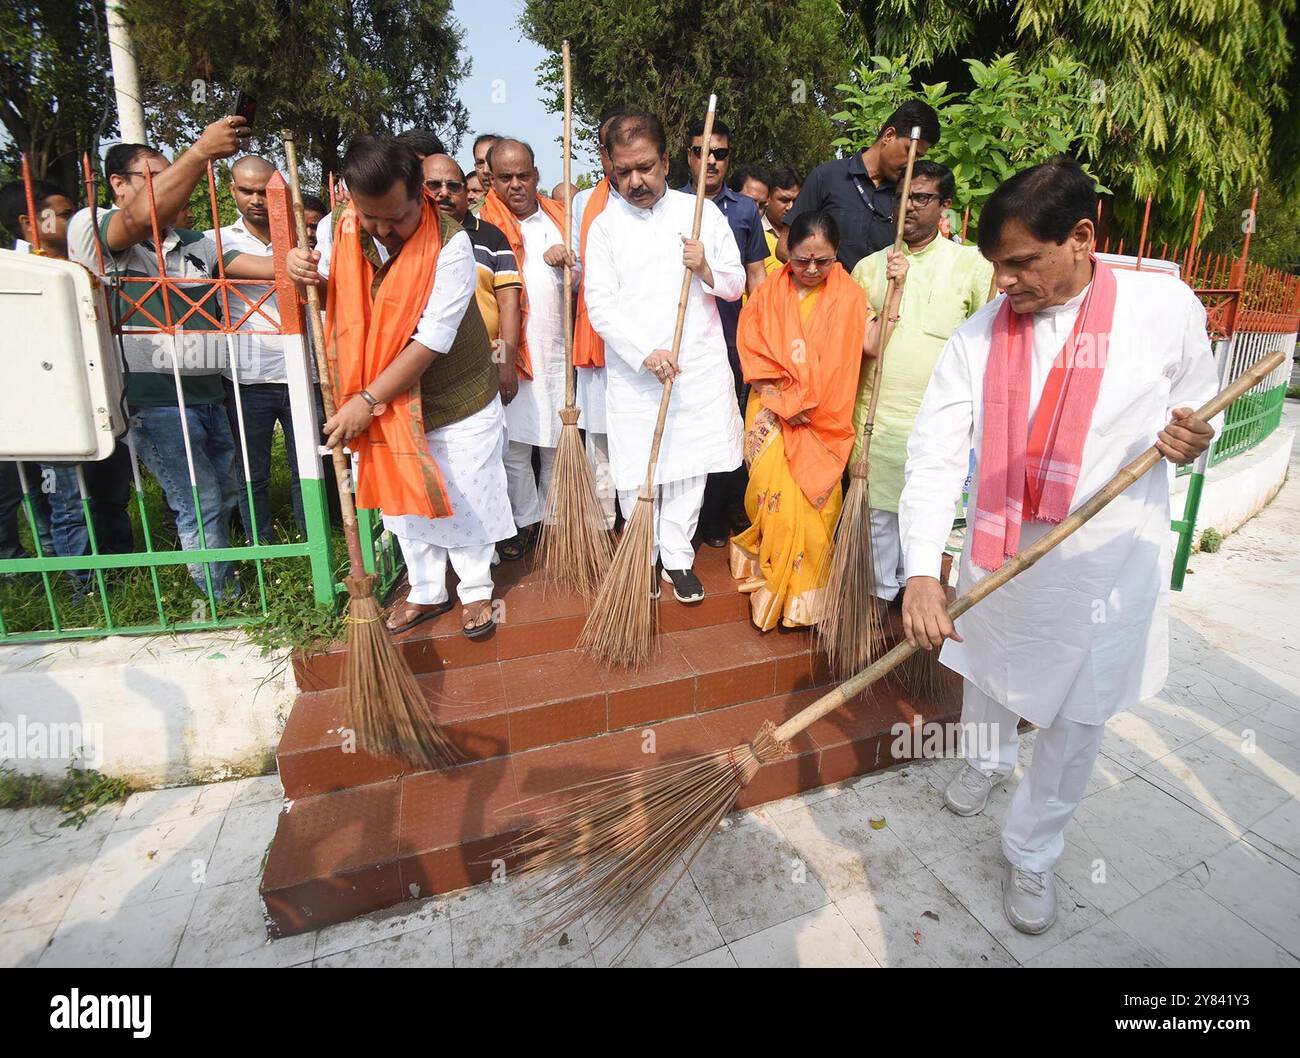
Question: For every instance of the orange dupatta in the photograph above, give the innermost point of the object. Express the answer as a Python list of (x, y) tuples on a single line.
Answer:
[(814, 367), (494, 211), (395, 470), (588, 349)]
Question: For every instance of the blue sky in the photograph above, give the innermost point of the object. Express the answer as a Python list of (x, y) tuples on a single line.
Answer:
[(501, 92)]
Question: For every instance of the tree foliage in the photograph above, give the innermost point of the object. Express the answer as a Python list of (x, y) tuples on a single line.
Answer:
[(1189, 89), (55, 97), (328, 69), (1006, 121), (772, 63)]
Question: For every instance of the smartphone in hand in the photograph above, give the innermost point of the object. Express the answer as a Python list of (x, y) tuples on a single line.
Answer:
[(245, 107)]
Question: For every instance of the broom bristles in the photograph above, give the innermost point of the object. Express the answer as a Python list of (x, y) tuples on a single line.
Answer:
[(848, 628), (620, 627), (574, 550), (383, 702), (597, 851)]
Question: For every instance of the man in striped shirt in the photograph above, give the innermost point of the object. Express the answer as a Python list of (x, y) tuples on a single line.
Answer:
[(499, 284)]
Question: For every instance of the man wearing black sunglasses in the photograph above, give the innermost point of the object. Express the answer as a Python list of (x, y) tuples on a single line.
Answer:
[(945, 283), (724, 498), (858, 191), (497, 292)]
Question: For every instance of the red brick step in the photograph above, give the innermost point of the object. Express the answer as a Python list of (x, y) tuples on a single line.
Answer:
[(340, 854)]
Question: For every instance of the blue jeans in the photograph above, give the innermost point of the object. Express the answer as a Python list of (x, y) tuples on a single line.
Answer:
[(108, 485), (156, 433), (264, 404), (12, 513)]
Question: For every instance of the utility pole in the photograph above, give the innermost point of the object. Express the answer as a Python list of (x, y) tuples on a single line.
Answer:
[(126, 79)]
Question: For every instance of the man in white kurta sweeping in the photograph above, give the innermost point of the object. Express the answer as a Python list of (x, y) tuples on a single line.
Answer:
[(1056, 385), (636, 250), (588, 349), (447, 361), (534, 228)]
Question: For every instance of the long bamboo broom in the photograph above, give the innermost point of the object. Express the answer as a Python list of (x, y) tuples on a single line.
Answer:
[(574, 548), (381, 700), (599, 849), (849, 628), (620, 628)]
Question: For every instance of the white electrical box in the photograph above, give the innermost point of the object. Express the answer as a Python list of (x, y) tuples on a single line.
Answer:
[(60, 370)]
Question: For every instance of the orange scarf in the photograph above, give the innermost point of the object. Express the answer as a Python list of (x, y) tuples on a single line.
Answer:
[(588, 349), (496, 212), (395, 471), (815, 367)]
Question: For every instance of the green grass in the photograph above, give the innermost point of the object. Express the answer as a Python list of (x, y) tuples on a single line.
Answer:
[(1211, 541), (79, 794), (292, 618)]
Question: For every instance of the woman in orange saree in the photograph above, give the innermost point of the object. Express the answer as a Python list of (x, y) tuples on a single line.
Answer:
[(801, 339)]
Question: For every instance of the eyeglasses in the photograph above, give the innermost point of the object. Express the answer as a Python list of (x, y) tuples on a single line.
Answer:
[(811, 264), (716, 153), (920, 199), (454, 186)]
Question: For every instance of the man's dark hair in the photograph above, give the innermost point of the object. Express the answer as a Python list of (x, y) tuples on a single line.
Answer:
[(636, 125), (1048, 199), (785, 178), (911, 114), (532, 158), (423, 141), (940, 174), (375, 161), (481, 137), (314, 203), (609, 114), (120, 157), (751, 172), (810, 222), (719, 129), (13, 203)]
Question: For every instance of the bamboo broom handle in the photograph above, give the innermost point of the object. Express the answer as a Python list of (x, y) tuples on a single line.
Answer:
[(356, 564), (893, 296), (1127, 476), (685, 295), (570, 383)]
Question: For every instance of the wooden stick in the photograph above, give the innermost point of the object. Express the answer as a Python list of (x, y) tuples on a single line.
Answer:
[(342, 471), (1023, 560), (893, 298), (679, 326), (570, 385)]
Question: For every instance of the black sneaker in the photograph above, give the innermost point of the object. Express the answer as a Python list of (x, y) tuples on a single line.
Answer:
[(686, 585)]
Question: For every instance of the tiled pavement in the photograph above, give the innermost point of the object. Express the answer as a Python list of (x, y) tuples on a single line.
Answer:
[(1185, 852)]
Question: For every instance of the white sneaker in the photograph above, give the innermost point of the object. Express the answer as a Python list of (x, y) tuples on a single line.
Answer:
[(968, 791), (1029, 899)]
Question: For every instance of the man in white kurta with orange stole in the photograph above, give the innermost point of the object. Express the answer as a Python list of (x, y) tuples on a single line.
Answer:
[(636, 250), (534, 227), (1056, 385)]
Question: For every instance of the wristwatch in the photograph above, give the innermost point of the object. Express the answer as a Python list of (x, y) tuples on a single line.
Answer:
[(377, 407)]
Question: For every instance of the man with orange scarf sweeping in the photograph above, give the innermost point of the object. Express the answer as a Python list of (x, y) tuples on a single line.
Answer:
[(800, 340), (588, 349), (534, 227), (1057, 385), (416, 387)]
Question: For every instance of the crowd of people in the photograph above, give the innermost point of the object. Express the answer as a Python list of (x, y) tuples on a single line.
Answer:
[(445, 296)]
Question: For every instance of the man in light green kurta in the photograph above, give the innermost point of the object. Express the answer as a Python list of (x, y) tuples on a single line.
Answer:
[(945, 283)]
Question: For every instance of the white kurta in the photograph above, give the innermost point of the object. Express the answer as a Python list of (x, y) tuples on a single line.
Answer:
[(634, 278), (533, 418), (468, 452), (591, 380), (1083, 633)]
